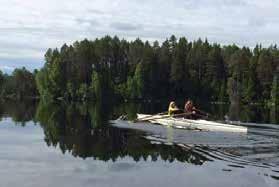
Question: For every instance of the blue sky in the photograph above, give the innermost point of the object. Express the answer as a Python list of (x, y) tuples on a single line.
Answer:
[(29, 27)]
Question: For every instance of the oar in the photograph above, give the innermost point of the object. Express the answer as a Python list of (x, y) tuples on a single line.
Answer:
[(202, 112), (147, 117), (150, 118), (201, 116), (205, 114)]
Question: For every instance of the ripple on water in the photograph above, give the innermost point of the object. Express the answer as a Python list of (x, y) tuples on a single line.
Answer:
[(257, 149)]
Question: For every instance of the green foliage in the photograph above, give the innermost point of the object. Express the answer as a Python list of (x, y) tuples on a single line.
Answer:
[(24, 83), (222, 97), (41, 81), (238, 66), (1, 82), (96, 85), (131, 88), (18, 85), (56, 82), (265, 70), (83, 92), (109, 67), (275, 90), (101, 85), (139, 80), (179, 72), (251, 90)]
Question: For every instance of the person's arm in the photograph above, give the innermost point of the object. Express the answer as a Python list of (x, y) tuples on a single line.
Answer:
[(193, 110), (174, 109)]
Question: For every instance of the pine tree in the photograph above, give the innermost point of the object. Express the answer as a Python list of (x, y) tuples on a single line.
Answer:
[(238, 68), (139, 81), (179, 73), (265, 73), (275, 89)]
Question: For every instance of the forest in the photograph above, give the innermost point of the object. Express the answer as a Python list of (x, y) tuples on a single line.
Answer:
[(110, 67), (19, 85)]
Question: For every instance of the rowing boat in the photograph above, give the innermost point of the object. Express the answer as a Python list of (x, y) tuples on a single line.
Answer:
[(199, 124)]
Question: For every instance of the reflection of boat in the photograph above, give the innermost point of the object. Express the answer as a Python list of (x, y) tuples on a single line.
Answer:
[(192, 124)]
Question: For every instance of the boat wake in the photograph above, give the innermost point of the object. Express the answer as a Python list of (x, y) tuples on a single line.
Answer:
[(259, 148)]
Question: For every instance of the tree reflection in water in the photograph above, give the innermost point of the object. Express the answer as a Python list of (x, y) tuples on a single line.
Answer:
[(82, 129), (20, 111)]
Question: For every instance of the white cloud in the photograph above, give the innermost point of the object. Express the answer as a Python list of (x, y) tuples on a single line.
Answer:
[(28, 28), (6, 68)]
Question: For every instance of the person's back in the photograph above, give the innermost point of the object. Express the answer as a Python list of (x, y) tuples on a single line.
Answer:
[(173, 109)]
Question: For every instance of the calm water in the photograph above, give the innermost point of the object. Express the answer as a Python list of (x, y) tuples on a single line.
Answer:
[(44, 144)]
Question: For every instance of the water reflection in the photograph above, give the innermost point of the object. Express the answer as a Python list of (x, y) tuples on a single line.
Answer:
[(72, 126), (20, 111), (23, 111), (81, 129), (251, 113)]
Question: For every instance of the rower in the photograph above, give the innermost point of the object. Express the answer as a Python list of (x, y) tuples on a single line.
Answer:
[(190, 109), (173, 109)]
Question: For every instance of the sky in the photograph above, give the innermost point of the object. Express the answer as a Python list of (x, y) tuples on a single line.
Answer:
[(29, 27)]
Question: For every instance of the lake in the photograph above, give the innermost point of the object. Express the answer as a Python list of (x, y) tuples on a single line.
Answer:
[(58, 144)]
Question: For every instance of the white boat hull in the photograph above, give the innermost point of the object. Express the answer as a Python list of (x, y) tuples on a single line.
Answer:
[(192, 124)]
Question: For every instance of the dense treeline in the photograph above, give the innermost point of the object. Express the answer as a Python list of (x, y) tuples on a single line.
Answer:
[(176, 68), (20, 84)]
